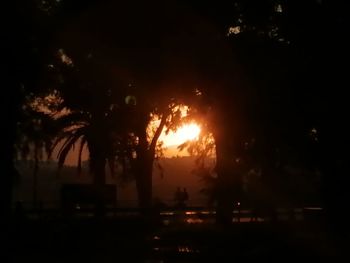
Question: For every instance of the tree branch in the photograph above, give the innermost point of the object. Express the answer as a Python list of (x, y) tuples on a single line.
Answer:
[(158, 132)]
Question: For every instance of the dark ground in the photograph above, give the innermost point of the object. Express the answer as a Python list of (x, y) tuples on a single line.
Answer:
[(132, 240)]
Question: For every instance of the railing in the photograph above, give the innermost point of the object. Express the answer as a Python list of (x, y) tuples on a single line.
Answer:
[(190, 214)]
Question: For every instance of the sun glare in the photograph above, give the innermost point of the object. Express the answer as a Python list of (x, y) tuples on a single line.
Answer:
[(185, 133)]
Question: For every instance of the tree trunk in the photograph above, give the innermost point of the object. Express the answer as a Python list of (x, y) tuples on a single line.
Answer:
[(228, 166), (99, 181), (98, 144), (224, 209), (97, 168), (144, 181), (144, 164), (99, 171)]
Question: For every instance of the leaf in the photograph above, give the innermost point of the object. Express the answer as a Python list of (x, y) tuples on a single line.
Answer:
[(66, 148), (61, 137), (82, 144), (184, 145), (71, 119), (78, 132)]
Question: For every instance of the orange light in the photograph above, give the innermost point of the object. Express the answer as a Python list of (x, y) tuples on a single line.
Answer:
[(187, 132)]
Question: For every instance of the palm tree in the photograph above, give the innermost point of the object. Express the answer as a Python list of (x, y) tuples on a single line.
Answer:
[(95, 132), (34, 140)]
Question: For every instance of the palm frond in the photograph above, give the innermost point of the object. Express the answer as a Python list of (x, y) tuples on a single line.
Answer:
[(61, 137), (70, 134), (72, 119), (62, 155), (81, 147), (66, 142)]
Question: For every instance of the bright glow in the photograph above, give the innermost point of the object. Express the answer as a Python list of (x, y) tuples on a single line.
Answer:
[(185, 133), (170, 141)]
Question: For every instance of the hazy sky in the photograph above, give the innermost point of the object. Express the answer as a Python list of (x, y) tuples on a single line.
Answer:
[(171, 141)]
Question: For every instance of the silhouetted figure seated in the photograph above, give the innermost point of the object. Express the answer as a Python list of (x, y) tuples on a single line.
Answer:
[(180, 198)]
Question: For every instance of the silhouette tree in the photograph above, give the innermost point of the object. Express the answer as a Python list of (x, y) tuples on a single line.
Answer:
[(259, 98), (146, 149), (125, 68), (27, 37), (34, 138), (256, 63), (31, 45), (96, 120)]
